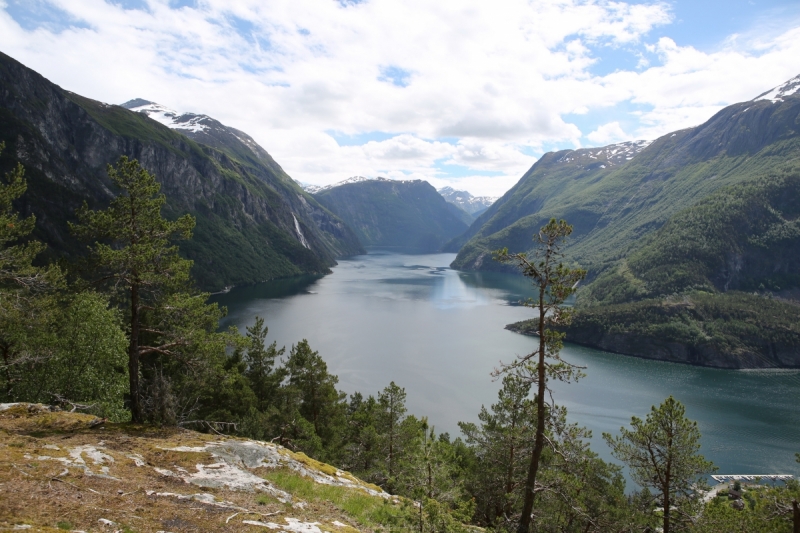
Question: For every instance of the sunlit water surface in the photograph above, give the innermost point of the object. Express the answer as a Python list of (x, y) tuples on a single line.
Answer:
[(439, 333)]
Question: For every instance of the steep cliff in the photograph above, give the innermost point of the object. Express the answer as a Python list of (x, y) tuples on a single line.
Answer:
[(253, 221)]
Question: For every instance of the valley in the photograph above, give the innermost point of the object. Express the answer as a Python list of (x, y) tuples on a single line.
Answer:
[(161, 271)]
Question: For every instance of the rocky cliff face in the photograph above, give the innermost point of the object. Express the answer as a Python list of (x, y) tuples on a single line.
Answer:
[(253, 221)]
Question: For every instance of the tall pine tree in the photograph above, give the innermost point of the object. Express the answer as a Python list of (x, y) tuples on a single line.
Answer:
[(137, 261)]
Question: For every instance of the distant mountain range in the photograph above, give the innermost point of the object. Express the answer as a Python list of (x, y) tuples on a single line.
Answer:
[(692, 241), (253, 221), (405, 215), (474, 205)]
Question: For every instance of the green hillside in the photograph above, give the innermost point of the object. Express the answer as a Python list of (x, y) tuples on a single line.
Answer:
[(745, 237), (614, 201)]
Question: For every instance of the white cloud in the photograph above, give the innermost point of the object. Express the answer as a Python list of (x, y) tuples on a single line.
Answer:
[(485, 83), (608, 134)]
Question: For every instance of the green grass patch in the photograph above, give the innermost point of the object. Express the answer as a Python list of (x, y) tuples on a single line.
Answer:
[(370, 511)]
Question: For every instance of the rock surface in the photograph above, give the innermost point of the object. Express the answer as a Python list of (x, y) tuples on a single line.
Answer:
[(57, 471)]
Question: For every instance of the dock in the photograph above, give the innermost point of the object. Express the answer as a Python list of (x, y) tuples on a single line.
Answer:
[(722, 478)]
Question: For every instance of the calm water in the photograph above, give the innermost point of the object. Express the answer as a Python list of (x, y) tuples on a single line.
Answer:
[(439, 333)]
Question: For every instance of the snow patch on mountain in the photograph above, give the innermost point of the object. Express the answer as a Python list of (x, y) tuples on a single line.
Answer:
[(780, 92), (169, 117), (613, 154)]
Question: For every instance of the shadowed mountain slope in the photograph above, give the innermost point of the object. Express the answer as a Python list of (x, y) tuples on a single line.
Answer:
[(253, 221), (408, 215)]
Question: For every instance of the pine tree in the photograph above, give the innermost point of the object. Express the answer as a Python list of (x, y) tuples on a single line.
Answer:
[(261, 364), (501, 443), (27, 309), (319, 402), (392, 402), (554, 282), (662, 452), (137, 261)]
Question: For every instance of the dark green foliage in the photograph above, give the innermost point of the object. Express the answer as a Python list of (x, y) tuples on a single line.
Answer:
[(578, 491), (138, 263), (316, 398), (744, 237), (502, 445), (767, 509), (260, 365), (729, 330), (408, 215), (55, 346), (662, 453)]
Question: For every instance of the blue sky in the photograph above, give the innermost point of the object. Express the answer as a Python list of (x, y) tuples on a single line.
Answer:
[(464, 93)]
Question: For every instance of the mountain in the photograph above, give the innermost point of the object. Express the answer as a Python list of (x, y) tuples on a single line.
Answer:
[(621, 193), (474, 205), (718, 283), (408, 215), (253, 221), (744, 237)]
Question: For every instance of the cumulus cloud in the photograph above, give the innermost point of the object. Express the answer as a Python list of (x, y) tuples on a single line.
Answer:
[(454, 83), (608, 134)]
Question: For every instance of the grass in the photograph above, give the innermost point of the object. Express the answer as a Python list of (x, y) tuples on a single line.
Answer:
[(370, 511)]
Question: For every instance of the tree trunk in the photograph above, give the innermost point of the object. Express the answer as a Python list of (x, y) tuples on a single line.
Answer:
[(510, 472), (133, 357), (796, 517), (668, 483), (530, 484), (7, 362)]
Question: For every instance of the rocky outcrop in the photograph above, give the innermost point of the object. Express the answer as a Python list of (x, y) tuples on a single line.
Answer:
[(64, 471)]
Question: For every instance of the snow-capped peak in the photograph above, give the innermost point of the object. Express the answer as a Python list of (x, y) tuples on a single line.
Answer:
[(781, 91), (168, 117), (465, 200)]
